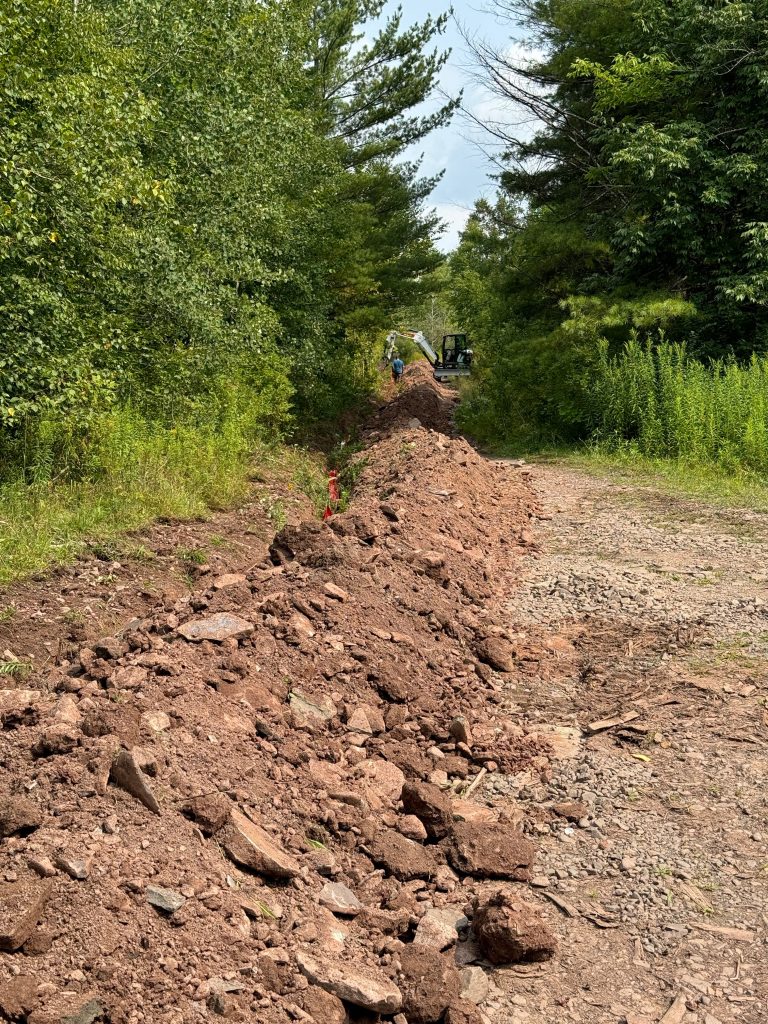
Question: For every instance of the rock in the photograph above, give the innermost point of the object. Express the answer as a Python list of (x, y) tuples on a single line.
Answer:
[(509, 930), (211, 812), (155, 721), (430, 805), (381, 782), (229, 579), (460, 731), (490, 851), (358, 722), (439, 928), (70, 1008), (66, 711), (18, 816), (331, 590), (401, 857), (308, 712), (464, 1012), (412, 828), (496, 652), (357, 984), (322, 1006), (218, 627), (57, 739), (110, 648), (340, 899), (251, 847), (42, 866), (429, 984), (18, 997), (22, 904), (75, 867), (126, 774), (164, 899), (466, 810), (131, 677), (571, 810), (475, 985)]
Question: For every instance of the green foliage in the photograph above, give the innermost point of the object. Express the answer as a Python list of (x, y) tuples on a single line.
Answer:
[(663, 404), (205, 223), (637, 206)]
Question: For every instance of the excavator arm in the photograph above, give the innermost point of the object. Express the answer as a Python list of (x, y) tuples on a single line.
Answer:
[(417, 338)]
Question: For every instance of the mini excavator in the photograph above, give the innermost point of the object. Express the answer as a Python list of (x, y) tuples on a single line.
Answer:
[(456, 360)]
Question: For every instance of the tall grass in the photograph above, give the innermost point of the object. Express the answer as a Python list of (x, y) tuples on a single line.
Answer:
[(661, 403), (65, 482)]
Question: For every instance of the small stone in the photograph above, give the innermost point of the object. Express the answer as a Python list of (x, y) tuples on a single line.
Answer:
[(439, 928), (322, 1006), (219, 627), (211, 812), (475, 985), (253, 848), (512, 931), (498, 653), (431, 806), (126, 774), (18, 997), (75, 867), (22, 904), (229, 579), (412, 828), (308, 712), (131, 677), (490, 851), (164, 899), (402, 858), (331, 590), (42, 866), (571, 810), (361, 985), (459, 729), (429, 984), (341, 900), (155, 721), (628, 864)]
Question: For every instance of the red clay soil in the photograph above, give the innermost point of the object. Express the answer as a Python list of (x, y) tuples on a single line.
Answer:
[(189, 805)]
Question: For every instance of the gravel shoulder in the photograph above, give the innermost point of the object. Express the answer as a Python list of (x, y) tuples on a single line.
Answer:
[(644, 617)]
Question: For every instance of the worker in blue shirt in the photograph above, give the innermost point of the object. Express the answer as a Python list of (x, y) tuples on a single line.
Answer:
[(397, 369)]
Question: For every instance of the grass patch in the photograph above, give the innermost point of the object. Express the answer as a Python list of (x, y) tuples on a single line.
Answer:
[(673, 477), (138, 472)]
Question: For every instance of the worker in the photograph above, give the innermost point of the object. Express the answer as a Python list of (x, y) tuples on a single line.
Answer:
[(397, 368)]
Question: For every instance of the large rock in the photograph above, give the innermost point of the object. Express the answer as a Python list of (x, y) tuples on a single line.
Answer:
[(126, 774), (429, 983), (341, 900), (361, 985), (439, 928), (18, 815), (464, 1012), (219, 627), (496, 652), (211, 812), (22, 904), (380, 781), (510, 931), (61, 738), (475, 985), (430, 805), (322, 1006), (166, 900), (401, 857), (251, 847), (490, 851), (309, 712)]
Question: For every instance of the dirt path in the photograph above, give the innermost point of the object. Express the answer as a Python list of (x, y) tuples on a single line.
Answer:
[(347, 771), (642, 605)]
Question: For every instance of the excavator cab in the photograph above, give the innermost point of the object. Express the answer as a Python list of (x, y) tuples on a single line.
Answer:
[(456, 357)]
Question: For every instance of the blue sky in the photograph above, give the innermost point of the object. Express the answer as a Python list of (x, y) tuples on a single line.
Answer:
[(462, 149)]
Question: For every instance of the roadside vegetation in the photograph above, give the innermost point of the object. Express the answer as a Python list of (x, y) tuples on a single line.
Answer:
[(616, 288), (206, 221)]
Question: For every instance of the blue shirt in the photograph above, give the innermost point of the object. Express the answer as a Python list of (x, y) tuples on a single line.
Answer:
[(398, 365)]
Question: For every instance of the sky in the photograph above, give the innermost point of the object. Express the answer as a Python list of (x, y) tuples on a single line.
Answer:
[(462, 149)]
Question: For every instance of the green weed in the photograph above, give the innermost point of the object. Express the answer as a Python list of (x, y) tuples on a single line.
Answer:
[(17, 669), (193, 556)]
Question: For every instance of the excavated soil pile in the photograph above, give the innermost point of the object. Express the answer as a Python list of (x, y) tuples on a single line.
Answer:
[(251, 804)]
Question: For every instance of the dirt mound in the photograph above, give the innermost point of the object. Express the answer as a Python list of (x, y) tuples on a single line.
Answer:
[(422, 399), (186, 792)]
